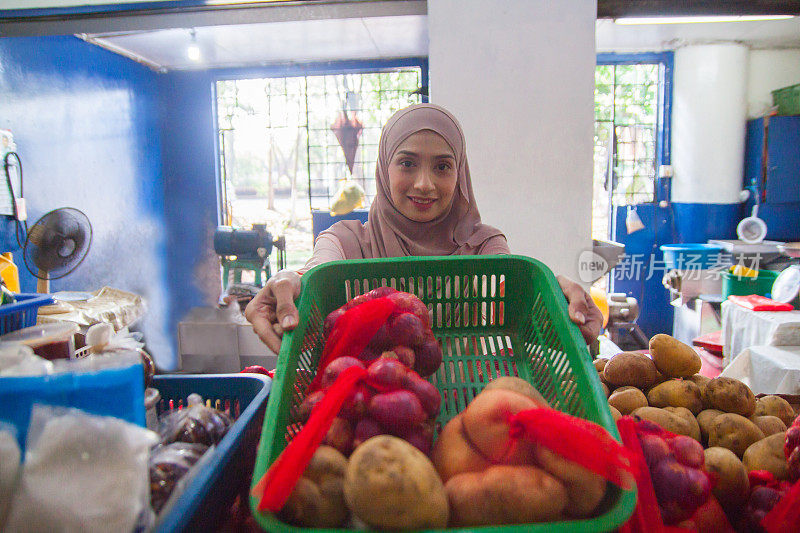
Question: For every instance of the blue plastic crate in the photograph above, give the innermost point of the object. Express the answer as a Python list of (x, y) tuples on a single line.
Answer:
[(23, 313), (228, 471), (117, 392)]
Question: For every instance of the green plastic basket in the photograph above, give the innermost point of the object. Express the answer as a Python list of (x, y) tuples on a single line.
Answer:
[(787, 99), (493, 315), (744, 285)]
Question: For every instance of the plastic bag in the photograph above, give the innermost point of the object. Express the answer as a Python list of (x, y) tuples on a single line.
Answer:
[(16, 359), (102, 340), (10, 455), (196, 423), (168, 465), (82, 473), (348, 197)]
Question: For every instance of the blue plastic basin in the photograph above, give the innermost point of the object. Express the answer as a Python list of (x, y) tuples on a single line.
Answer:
[(690, 256)]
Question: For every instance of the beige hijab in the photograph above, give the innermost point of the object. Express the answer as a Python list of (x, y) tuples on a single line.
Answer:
[(387, 232)]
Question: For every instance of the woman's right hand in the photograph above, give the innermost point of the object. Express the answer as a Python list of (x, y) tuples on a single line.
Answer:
[(272, 311)]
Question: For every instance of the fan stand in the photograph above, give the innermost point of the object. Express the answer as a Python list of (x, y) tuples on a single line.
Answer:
[(43, 282)]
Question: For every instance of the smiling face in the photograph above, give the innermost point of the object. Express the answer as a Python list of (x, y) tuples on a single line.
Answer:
[(423, 176)]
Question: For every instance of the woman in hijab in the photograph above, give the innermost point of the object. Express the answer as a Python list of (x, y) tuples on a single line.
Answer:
[(424, 206)]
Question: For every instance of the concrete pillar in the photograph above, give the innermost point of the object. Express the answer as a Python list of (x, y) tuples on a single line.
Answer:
[(519, 75)]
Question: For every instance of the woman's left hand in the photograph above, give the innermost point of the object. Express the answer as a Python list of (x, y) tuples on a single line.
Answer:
[(582, 309)]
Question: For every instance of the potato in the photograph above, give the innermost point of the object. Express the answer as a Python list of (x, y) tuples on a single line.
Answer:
[(733, 487), (630, 368), (775, 406), (615, 414), (729, 395), (627, 401), (599, 364), (660, 378), (667, 420), (674, 358), (704, 419), (326, 461), (303, 505), (605, 388), (485, 422), (767, 454), (318, 498), (691, 421), (504, 494), (699, 380), (389, 484), (769, 425), (585, 489), (733, 432), (453, 454), (518, 385), (676, 393)]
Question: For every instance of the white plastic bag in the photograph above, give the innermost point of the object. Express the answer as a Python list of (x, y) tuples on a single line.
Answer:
[(632, 221), (16, 359), (9, 468), (82, 473), (350, 196)]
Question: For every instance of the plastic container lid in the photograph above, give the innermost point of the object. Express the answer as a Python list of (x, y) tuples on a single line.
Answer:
[(787, 284), (43, 334)]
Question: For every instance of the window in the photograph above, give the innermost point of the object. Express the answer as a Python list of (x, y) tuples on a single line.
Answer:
[(280, 156), (631, 132)]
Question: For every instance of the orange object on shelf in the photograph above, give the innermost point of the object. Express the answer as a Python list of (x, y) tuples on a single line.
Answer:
[(600, 298), (9, 272)]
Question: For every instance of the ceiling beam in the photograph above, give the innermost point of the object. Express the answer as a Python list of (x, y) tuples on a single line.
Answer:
[(210, 15), (655, 8), (215, 15)]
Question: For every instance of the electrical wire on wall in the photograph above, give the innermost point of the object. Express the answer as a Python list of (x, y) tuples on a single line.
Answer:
[(21, 226)]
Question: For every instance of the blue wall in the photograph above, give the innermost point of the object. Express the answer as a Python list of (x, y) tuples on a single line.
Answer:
[(678, 223), (85, 122), (640, 275), (698, 223), (188, 129), (134, 150)]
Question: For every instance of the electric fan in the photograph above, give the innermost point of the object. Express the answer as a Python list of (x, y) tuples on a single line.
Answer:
[(56, 245)]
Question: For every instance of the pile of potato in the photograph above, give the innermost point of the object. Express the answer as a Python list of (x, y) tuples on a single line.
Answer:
[(740, 433)]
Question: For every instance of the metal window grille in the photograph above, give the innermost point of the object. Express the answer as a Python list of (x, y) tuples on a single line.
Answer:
[(276, 133), (626, 131)]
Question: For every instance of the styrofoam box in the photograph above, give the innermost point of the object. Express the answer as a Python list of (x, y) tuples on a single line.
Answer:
[(252, 351), (209, 364), (267, 361), (208, 338), (249, 343), (218, 341), (208, 342)]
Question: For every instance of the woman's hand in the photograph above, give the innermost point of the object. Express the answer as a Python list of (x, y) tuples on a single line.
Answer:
[(272, 311), (582, 309)]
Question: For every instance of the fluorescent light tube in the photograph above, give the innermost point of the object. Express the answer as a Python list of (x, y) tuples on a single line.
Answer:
[(631, 21)]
